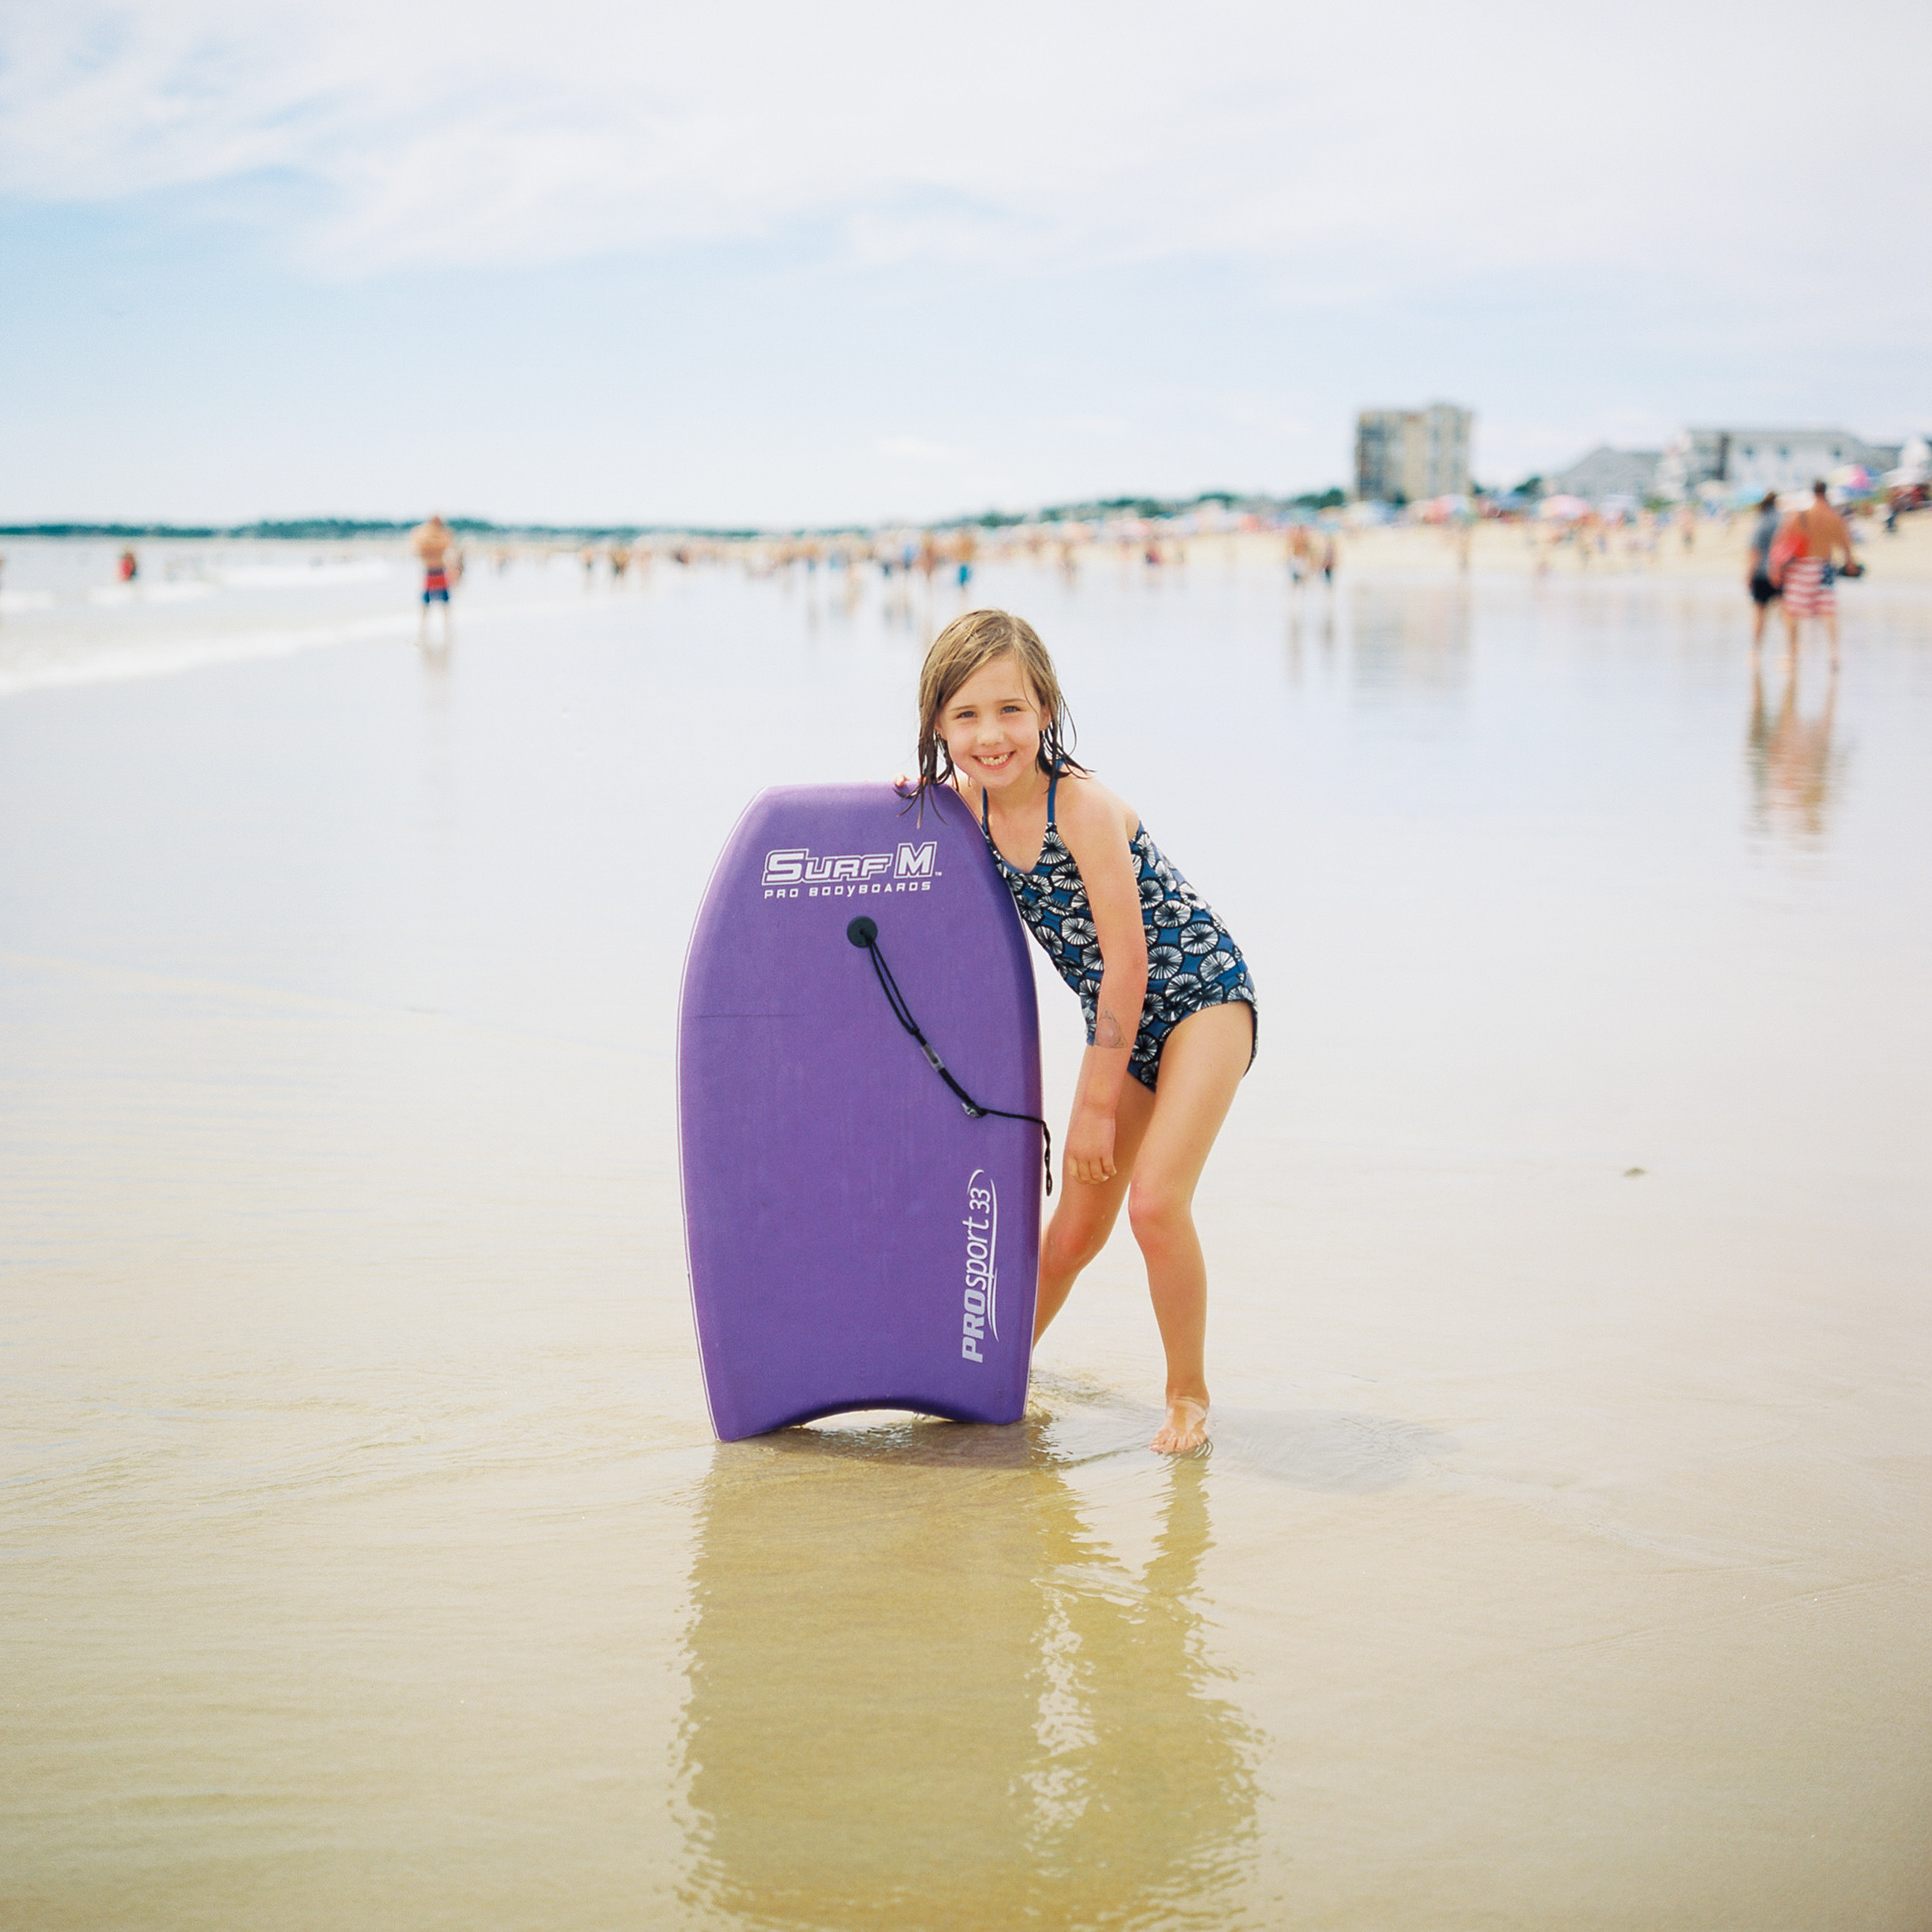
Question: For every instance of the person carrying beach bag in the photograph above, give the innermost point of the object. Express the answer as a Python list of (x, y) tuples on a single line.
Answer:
[(1786, 547), (1802, 565)]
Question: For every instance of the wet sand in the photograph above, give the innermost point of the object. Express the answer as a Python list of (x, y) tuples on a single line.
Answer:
[(1561, 1558)]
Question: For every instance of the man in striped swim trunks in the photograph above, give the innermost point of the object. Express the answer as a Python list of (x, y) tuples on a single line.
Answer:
[(436, 543), (1805, 590)]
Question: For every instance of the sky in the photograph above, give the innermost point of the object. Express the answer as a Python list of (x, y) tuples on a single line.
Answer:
[(753, 264)]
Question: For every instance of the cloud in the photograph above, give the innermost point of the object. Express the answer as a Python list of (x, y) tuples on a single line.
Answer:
[(1082, 247), (1355, 152), (915, 450)]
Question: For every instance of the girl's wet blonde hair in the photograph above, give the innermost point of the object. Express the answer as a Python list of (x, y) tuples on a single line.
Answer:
[(967, 646)]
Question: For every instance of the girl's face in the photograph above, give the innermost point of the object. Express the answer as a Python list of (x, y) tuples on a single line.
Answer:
[(992, 725)]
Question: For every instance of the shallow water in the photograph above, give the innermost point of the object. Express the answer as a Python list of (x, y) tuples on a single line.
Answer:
[(367, 1559)]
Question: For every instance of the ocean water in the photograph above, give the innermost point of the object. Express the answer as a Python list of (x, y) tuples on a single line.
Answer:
[(66, 618), (365, 1556)]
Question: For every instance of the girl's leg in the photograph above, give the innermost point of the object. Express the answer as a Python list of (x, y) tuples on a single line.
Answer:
[(1087, 1211), (1200, 1067)]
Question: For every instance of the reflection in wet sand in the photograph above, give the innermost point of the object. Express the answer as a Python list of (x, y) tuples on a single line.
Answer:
[(1410, 637), (1318, 624), (924, 1693), (1793, 766)]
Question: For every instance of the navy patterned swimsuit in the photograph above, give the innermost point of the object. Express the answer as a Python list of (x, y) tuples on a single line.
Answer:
[(1191, 961)]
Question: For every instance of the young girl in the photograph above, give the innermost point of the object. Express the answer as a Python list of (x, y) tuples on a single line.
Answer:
[(1170, 1010)]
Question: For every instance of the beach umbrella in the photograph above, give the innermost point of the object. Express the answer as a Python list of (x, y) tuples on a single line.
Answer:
[(1563, 508)]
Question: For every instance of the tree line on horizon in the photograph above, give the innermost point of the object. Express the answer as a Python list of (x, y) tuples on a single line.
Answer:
[(338, 529)]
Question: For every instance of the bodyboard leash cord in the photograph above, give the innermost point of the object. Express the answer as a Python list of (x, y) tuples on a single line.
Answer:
[(865, 932)]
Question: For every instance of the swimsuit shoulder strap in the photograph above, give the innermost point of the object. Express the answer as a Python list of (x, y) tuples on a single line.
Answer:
[(1053, 786), (985, 812)]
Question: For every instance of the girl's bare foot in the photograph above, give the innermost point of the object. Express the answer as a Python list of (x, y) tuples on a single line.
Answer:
[(1185, 1428)]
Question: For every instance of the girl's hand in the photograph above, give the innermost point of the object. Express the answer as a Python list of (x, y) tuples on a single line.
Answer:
[(1089, 1147)]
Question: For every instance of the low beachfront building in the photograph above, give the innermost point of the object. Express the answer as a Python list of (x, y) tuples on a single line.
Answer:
[(1748, 461), (1608, 472), (1408, 456)]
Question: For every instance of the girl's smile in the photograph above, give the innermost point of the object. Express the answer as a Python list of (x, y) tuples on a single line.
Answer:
[(993, 725)]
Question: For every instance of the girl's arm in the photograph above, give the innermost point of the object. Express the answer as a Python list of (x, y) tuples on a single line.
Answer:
[(1092, 823)]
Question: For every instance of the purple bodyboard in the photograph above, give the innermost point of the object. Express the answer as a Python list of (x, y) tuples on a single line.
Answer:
[(856, 1241)]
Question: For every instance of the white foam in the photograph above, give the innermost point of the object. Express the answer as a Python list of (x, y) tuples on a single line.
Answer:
[(26, 600), (191, 592), (279, 576), (119, 664)]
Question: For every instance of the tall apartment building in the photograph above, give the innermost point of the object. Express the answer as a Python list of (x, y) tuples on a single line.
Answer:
[(1406, 456)]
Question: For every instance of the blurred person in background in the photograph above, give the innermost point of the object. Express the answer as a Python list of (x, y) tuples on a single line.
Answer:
[(129, 567), (1817, 536), (1758, 568), (435, 545)]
